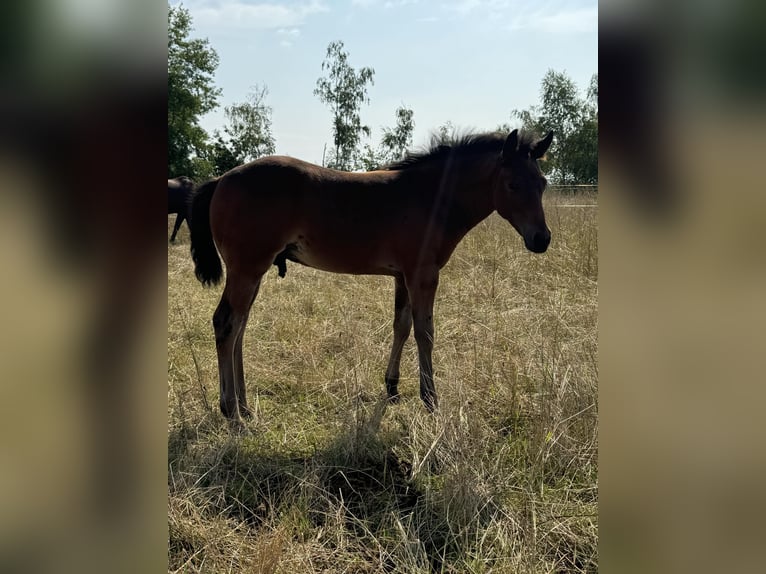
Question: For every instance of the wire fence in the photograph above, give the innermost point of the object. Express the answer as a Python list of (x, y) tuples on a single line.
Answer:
[(574, 195), (574, 188)]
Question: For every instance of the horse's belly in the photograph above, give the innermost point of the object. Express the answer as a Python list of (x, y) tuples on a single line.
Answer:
[(342, 259)]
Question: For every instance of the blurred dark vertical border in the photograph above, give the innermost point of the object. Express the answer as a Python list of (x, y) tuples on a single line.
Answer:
[(82, 294), (682, 309)]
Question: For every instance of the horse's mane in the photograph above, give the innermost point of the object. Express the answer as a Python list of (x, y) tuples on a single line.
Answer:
[(441, 148)]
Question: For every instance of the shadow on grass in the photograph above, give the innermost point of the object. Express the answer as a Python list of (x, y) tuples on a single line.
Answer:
[(357, 487)]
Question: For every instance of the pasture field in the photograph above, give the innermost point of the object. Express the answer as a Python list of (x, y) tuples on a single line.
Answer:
[(503, 478)]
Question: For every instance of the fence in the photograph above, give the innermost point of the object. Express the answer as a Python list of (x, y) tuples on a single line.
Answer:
[(574, 188), (576, 195)]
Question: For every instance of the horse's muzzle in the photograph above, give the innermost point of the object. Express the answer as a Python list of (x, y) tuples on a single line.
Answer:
[(539, 241)]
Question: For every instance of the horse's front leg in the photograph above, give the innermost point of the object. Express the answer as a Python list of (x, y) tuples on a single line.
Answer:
[(402, 328), (422, 290)]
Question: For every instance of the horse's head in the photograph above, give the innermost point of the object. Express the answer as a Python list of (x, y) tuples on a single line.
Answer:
[(519, 189)]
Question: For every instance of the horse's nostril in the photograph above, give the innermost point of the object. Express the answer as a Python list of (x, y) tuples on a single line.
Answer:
[(540, 241)]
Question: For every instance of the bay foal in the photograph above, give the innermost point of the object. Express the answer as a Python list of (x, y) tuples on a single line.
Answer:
[(404, 220)]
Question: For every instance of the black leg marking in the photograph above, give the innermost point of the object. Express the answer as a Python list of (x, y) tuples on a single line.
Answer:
[(222, 321), (392, 386)]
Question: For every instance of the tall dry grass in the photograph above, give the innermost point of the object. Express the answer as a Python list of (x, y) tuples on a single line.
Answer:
[(502, 479)]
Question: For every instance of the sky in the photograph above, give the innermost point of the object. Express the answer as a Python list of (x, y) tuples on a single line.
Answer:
[(470, 62)]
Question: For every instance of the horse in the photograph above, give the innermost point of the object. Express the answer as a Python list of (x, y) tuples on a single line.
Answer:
[(404, 220), (180, 192)]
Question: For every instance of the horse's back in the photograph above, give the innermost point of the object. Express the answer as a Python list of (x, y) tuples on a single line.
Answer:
[(331, 220), (179, 191), (278, 180), (280, 187), (274, 173)]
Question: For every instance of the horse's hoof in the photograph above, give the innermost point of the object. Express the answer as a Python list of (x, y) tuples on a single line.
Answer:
[(431, 404), (239, 427)]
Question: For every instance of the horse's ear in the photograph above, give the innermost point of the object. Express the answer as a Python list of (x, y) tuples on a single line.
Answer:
[(511, 145), (539, 148)]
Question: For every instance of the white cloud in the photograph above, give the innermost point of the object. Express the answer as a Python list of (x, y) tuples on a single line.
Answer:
[(386, 4), (398, 3), (463, 6), (290, 32), (566, 21), (288, 35), (263, 16), (557, 17)]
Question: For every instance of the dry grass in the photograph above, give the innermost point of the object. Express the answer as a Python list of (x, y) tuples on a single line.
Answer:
[(502, 479)]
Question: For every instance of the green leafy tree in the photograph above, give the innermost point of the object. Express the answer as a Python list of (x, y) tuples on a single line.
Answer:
[(191, 94), (574, 121), (394, 143), (221, 156), (249, 127), (445, 132), (560, 106), (371, 159), (344, 89), (248, 134), (582, 145), (398, 140), (593, 92)]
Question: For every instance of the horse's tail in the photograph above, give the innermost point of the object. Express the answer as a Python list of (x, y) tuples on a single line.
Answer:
[(207, 263)]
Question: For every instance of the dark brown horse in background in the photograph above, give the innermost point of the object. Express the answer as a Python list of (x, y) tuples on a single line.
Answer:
[(404, 221), (180, 191)]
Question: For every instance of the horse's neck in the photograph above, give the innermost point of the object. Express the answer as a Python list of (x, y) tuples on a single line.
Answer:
[(472, 195), (460, 191)]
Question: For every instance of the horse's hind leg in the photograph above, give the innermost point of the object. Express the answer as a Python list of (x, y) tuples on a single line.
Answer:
[(422, 289), (179, 220), (239, 366), (229, 322), (402, 328)]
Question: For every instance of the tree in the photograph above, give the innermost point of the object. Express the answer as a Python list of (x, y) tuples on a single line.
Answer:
[(344, 90), (574, 121), (560, 103), (398, 140), (221, 157), (394, 143), (445, 133), (248, 134), (249, 127), (593, 91), (582, 144), (191, 94)]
